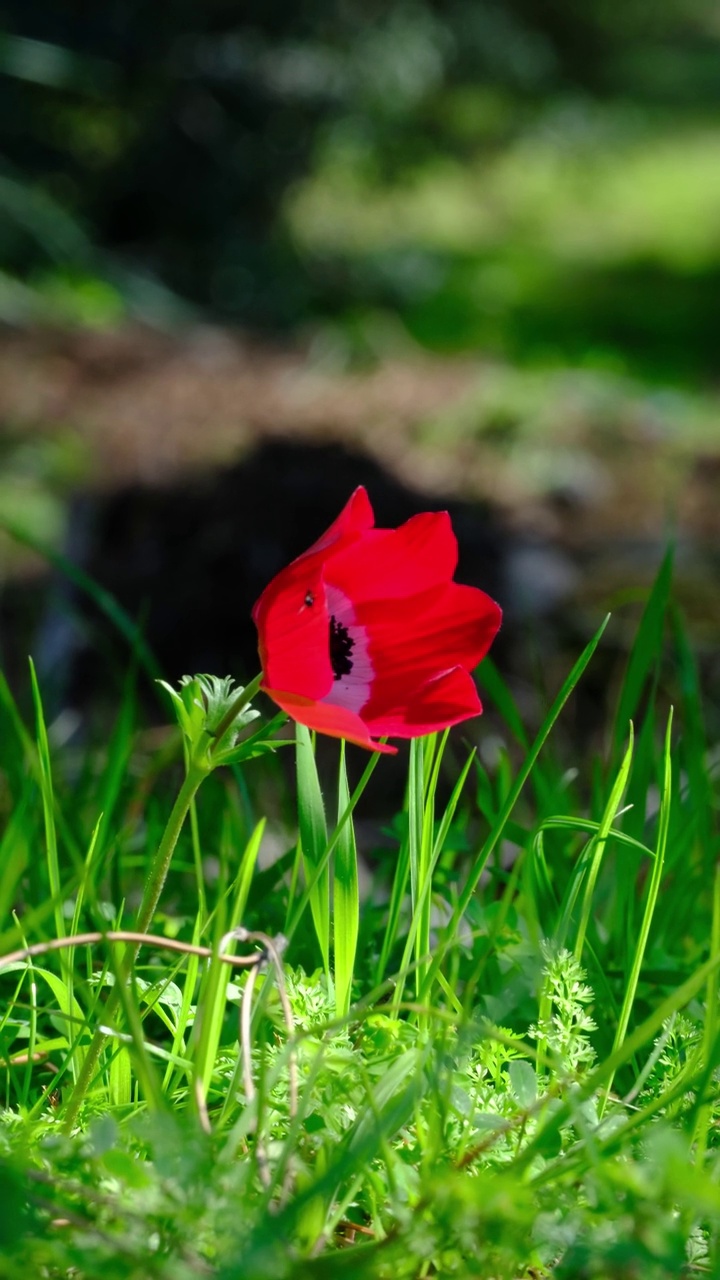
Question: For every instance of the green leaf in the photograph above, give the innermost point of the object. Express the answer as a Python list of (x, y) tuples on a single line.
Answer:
[(452, 928), (599, 842), (313, 838), (346, 900), (523, 1082), (646, 651)]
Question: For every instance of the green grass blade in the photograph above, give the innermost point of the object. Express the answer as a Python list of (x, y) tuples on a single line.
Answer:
[(213, 994), (313, 839), (599, 843), (511, 800), (395, 907), (178, 1048), (425, 890), (346, 899), (693, 741), (15, 844), (416, 844), (650, 901), (646, 651), (499, 693), (117, 763), (711, 1030), (105, 602), (320, 870), (48, 806)]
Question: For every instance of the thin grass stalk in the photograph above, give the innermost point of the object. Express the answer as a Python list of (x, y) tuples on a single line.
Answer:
[(294, 919), (397, 899), (135, 1054), (78, 1056), (423, 908), (32, 1031), (346, 899), (151, 896), (646, 652), (212, 1000), (103, 599), (197, 861), (423, 957), (650, 904), (313, 839), (450, 932), (417, 799), (710, 1029), (48, 806), (183, 1017), (599, 844)]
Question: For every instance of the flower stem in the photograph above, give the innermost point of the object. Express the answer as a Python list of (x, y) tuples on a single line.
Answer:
[(151, 896), (198, 769), (161, 862)]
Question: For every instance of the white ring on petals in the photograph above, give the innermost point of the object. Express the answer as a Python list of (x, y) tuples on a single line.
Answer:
[(353, 690)]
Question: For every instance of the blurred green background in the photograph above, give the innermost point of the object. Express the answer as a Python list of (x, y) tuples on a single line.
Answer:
[(489, 231), (540, 181)]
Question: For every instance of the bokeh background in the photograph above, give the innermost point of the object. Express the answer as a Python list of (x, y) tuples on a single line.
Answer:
[(467, 253)]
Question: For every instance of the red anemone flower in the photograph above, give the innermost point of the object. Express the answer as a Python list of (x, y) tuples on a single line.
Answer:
[(366, 635)]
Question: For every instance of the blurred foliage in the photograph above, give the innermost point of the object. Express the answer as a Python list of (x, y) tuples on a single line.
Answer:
[(146, 157), (591, 237)]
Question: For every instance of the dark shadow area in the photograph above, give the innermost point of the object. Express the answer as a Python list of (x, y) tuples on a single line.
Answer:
[(188, 561)]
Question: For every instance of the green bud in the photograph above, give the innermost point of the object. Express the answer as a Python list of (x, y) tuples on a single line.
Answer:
[(202, 705)]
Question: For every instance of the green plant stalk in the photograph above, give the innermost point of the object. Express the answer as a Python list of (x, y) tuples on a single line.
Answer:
[(151, 896), (161, 863), (346, 900), (313, 840), (493, 838), (650, 904), (103, 599), (48, 805), (211, 1002), (600, 843), (704, 1115), (427, 857), (416, 829), (197, 861), (293, 920), (421, 914)]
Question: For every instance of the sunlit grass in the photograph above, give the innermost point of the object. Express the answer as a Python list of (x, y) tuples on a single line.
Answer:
[(515, 1067)]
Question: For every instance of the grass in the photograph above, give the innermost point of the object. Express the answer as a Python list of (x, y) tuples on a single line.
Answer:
[(504, 1063)]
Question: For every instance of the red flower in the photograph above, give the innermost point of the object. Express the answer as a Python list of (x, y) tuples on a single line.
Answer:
[(366, 635)]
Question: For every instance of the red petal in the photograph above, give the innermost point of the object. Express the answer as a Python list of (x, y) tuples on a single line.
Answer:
[(447, 700), (354, 520), (293, 634), (338, 722), (414, 641), (396, 563)]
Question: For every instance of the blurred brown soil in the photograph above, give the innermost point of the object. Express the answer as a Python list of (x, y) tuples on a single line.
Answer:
[(151, 407)]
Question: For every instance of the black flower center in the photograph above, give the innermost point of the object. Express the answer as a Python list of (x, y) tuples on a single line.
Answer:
[(341, 647)]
